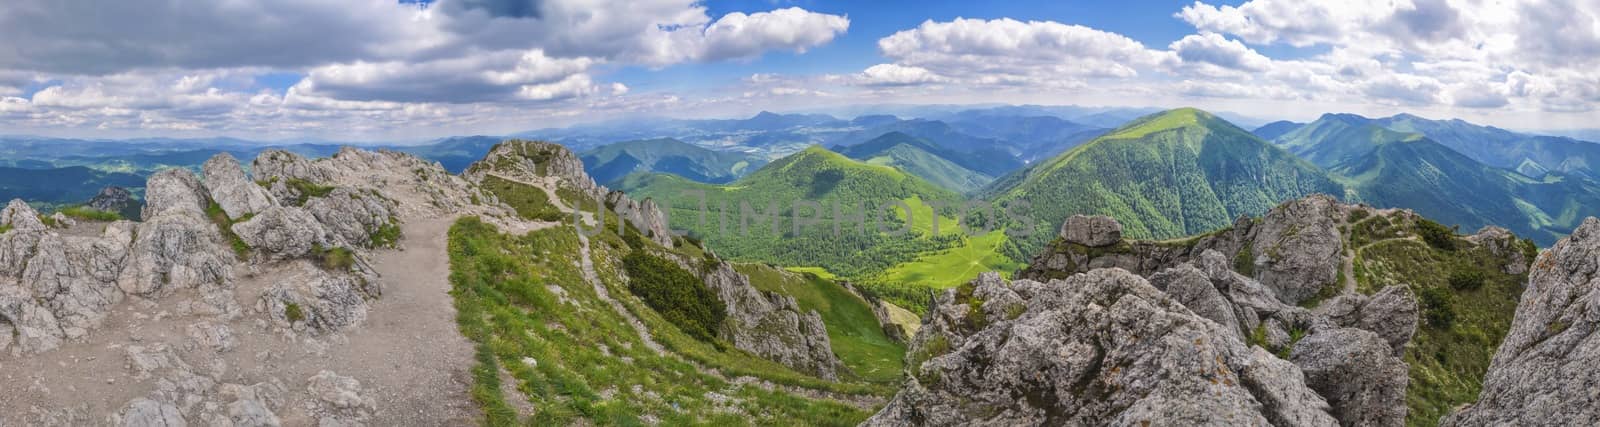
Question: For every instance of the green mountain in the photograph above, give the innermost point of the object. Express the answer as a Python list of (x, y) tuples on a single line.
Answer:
[(1386, 168), (1165, 175), (61, 186), (921, 158), (1504, 149), (608, 163), (1271, 131)]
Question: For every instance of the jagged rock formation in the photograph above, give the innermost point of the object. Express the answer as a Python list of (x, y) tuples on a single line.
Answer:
[(1544, 372), (1391, 313), (1357, 372), (553, 166), (111, 199), (771, 325), (1086, 351), (232, 190)]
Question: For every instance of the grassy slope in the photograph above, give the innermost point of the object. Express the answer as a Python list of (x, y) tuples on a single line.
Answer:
[(611, 162), (852, 328), (589, 361), (1165, 175), (921, 158), (1447, 361)]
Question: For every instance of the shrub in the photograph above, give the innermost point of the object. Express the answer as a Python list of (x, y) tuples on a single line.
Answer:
[(1356, 216), (1437, 306), (1436, 234), (1244, 262), (676, 294), (306, 190), (293, 313), (386, 235), (1466, 279)]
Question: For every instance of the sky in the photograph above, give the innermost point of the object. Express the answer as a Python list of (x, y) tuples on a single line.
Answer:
[(375, 70)]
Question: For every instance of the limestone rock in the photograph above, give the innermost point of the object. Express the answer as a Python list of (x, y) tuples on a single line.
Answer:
[(1357, 372), (60, 220), (1085, 351), (1502, 243), (1192, 288), (174, 190), (645, 216), (142, 412), (217, 337), (318, 300), (1297, 248), (351, 217), (32, 326), (112, 199), (340, 400), (20, 216), (284, 165), (1392, 313), (282, 233), (1544, 372), (176, 249), (1092, 231), (771, 325), (231, 189)]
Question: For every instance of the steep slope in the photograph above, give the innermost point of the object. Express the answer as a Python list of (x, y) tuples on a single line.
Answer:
[(918, 157), (1504, 149), (1165, 175), (1271, 131), (611, 162), (1392, 169)]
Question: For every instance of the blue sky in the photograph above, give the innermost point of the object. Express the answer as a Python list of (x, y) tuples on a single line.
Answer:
[(382, 69)]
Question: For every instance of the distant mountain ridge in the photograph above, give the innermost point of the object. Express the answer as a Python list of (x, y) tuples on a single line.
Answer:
[(940, 166), (611, 162)]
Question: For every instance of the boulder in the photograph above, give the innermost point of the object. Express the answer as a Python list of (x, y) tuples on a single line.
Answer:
[(282, 233), (339, 399), (1092, 231), (19, 216), (174, 190), (351, 217), (231, 189), (1297, 247), (1358, 374), (1100, 348)]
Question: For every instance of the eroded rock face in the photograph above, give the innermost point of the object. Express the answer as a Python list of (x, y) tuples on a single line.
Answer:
[(281, 233), (1544, 372), (231, 189), (351, 217), (20, 216), (1092, 231), (1392, 313), (1357, 372), (174, 190), (555, 165), (1297, 246), (112, 199), (771, 325), (1084, 351), (283, 165)]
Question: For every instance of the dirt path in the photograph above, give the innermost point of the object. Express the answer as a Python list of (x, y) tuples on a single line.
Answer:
[(586, 263), (409, 352)]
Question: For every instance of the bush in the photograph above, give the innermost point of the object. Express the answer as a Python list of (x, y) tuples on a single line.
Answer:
[(334, 259), (1436, 234), (293, 312), (386, 235), (676, 294), (1466, 279), (1437, 306), (1244, 262), (1356, 216)]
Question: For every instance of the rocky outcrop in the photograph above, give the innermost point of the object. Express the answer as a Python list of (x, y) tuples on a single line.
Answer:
[(1357, 372), (339, 400), (19, 216), (555, 166), (1297, 246), (281, 233), (772, 325), (112, 199), (174, 190), (1084, 351), (1501, 243), (1544, 372), (231, 189), (645, 216), (352, 217), (1092, 231), (1392, 313), (284, 165)]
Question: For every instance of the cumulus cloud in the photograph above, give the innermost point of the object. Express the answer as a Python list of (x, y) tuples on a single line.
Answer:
[(738, 35), (1214, 49), (897, 75), (1007, 51)]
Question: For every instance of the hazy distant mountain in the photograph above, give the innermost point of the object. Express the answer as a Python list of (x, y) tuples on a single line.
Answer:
[(454, 153), (1032, 137), (988, 156), (61, 186), (1271, 131), (1502, 148), (611, 162), (921, 158)]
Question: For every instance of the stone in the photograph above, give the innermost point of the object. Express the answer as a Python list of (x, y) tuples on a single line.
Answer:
[(1092, 231), (1357, 372), (771, 325), (231, 189), (351, 217), (1084, 351), (1297, 248), (60, 220), (112, 199), (20, 216), (142, 412), (174, 190), (214, 336), (340, 399), (282, 233)]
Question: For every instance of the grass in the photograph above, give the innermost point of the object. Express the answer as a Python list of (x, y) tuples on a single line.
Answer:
[(5, 228), (1453, 346), (305, 190), (854, 331), (48, 221), (529, 202), (386, 235), (957, 265), (293, 312), (225, 226), (90, 214), (333, 259), (522, 296)]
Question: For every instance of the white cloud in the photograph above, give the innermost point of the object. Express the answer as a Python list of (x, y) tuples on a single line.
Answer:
[(738, 35), (897, 75), (1007, 51), (1216, 50)]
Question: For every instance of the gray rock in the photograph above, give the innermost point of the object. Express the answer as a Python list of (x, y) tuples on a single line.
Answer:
[(60, 220), (1297, 247), (231, 189), (283, 233), (20, 216), (1281, 388), (284, 165), (1502, 243), (318, 300), (1101, 348), (33, 327), (1544, 372), (352, 216), (112, 199), (1092, 231), (176, 249), (252, 405), (142, 412), (339, 399), (771, 325), (174, 190), (214, 336), (645, 216), (1192, 288), (1358, 374)]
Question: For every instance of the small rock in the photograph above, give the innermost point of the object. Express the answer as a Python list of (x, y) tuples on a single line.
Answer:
[(1092, 231)]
